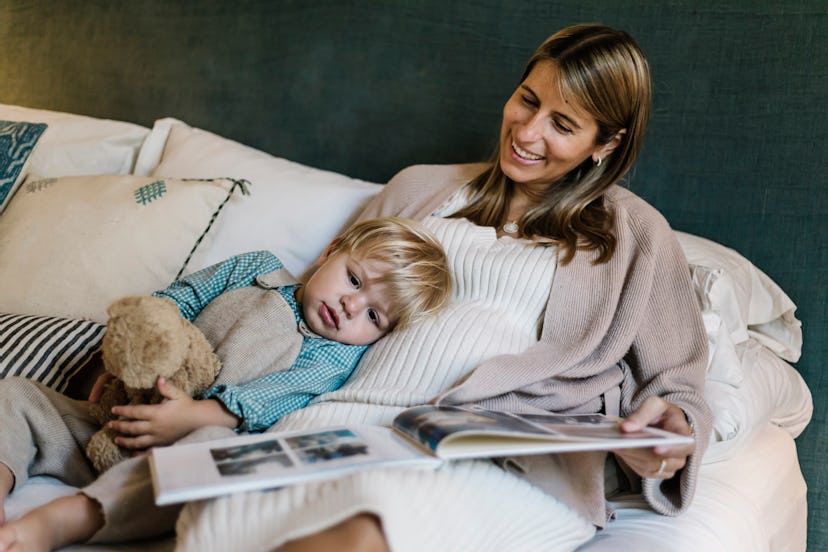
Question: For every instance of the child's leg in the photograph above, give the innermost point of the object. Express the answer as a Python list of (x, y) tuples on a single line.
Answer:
[(59, 523), (43, 433), (124, 495)]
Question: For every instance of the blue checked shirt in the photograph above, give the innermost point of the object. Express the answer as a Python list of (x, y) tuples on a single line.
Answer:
[(321, 366)]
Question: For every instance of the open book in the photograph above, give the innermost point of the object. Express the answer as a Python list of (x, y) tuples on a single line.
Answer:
[(421, 436)]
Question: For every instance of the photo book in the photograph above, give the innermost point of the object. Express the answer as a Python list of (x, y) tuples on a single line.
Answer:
[(420, 437)]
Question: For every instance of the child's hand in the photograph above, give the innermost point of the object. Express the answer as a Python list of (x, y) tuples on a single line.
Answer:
[(151, 425)]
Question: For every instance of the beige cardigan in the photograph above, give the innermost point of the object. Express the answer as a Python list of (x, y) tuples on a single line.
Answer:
[(639, 307)]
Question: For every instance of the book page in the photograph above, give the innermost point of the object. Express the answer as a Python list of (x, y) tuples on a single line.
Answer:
[(454, 432), (247, 462)]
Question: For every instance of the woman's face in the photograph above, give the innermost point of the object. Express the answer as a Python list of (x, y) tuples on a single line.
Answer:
[(544, 136)]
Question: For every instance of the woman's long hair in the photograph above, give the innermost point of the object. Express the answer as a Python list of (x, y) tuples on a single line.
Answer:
[(604, 72)]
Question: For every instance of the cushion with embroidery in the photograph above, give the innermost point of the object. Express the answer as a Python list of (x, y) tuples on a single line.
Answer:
[(70, 246)]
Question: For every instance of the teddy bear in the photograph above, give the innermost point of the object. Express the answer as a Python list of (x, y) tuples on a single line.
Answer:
[(145, 338)]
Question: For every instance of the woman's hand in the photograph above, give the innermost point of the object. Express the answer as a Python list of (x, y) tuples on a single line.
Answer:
[(151, 425), (661, 462)]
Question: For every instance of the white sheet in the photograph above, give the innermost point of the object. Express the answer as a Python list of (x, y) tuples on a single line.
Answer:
[(754, 501)]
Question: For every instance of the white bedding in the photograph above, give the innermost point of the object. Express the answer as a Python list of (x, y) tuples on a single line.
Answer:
[(752, 502)]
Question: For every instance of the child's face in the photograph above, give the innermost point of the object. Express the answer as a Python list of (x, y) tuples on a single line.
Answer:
[(343, 302)]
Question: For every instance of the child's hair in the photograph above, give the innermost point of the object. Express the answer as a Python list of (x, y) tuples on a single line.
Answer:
[(418, 277)]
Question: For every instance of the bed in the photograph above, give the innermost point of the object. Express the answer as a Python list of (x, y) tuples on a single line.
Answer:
[(267, 103)]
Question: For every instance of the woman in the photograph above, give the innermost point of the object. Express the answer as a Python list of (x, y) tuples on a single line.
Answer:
[(621, 331)]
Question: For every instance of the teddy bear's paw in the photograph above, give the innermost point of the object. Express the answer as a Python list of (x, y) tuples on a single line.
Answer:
[(103, 452)]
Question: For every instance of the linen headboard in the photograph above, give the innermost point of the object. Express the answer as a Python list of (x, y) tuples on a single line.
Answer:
[(735, 152)]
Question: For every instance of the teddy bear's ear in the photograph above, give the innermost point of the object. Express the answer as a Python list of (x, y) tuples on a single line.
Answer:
[(124, 302)]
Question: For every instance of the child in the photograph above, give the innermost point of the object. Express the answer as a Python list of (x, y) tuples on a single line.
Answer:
[(377, 275)]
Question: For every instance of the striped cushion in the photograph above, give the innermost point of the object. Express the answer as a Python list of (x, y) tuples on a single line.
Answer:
[(47, 349)]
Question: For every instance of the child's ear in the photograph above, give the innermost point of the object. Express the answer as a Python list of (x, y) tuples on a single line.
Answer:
[(326, 253), (320, 260)]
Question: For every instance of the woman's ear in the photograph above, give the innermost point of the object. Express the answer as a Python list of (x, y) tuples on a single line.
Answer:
[(604, 150)]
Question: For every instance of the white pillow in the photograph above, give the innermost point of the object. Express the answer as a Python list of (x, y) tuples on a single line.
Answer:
[(17, 142), (750, 304), (70, 246), (723, 364), (772, 391), (79, 145), (293, 210)]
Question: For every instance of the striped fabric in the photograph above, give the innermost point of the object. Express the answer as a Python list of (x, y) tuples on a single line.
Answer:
[(47, 349)]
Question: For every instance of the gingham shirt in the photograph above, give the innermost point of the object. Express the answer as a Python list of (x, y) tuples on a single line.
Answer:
[(321, 366)]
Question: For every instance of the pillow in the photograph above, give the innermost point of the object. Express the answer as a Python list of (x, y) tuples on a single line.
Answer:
[(79, 145), (723, 364), (47, 349), (772, 391), (17, 141), (70, 246), (750, 304), (293, 210)]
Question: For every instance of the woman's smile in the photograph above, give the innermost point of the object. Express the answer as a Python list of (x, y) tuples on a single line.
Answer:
[(524, 155)]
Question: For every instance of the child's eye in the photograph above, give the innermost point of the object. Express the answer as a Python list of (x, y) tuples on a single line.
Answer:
[(372, 314), (354, 280)]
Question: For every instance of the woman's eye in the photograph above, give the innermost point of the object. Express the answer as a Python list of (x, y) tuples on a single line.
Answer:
[(373, 316), (528, 100), (354, 280), (562, 127)]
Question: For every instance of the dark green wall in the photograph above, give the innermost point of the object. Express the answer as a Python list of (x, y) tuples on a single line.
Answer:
[(736, 150)]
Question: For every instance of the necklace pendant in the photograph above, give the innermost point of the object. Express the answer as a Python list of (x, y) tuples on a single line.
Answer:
[(511, 227)]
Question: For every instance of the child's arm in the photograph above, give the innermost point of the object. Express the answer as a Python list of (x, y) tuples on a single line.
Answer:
[(167, 422), (262, 402), (252, 406), (193, 292)]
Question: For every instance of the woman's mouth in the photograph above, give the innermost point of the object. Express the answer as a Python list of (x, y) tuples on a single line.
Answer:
[(328, 316), (524, 155)]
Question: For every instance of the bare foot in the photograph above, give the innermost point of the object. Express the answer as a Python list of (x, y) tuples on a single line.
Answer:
[(63, 521)]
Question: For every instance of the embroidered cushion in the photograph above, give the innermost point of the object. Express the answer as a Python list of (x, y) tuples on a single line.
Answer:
[(294, 210), (70, 246)]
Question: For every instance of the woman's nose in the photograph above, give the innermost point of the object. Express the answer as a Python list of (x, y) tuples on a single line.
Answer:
[(531, 129)]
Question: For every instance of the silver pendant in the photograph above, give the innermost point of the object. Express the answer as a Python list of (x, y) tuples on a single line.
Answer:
[(511, 227)]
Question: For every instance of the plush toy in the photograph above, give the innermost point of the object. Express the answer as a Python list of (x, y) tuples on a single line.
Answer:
[(146, 337)]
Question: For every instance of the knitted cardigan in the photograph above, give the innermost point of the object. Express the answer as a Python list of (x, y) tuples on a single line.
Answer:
[(639, 307)]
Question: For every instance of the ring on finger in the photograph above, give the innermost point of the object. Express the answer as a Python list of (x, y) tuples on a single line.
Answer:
[(662, 466)]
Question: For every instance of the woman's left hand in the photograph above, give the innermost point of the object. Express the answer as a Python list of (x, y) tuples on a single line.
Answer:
[(661, 462)]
